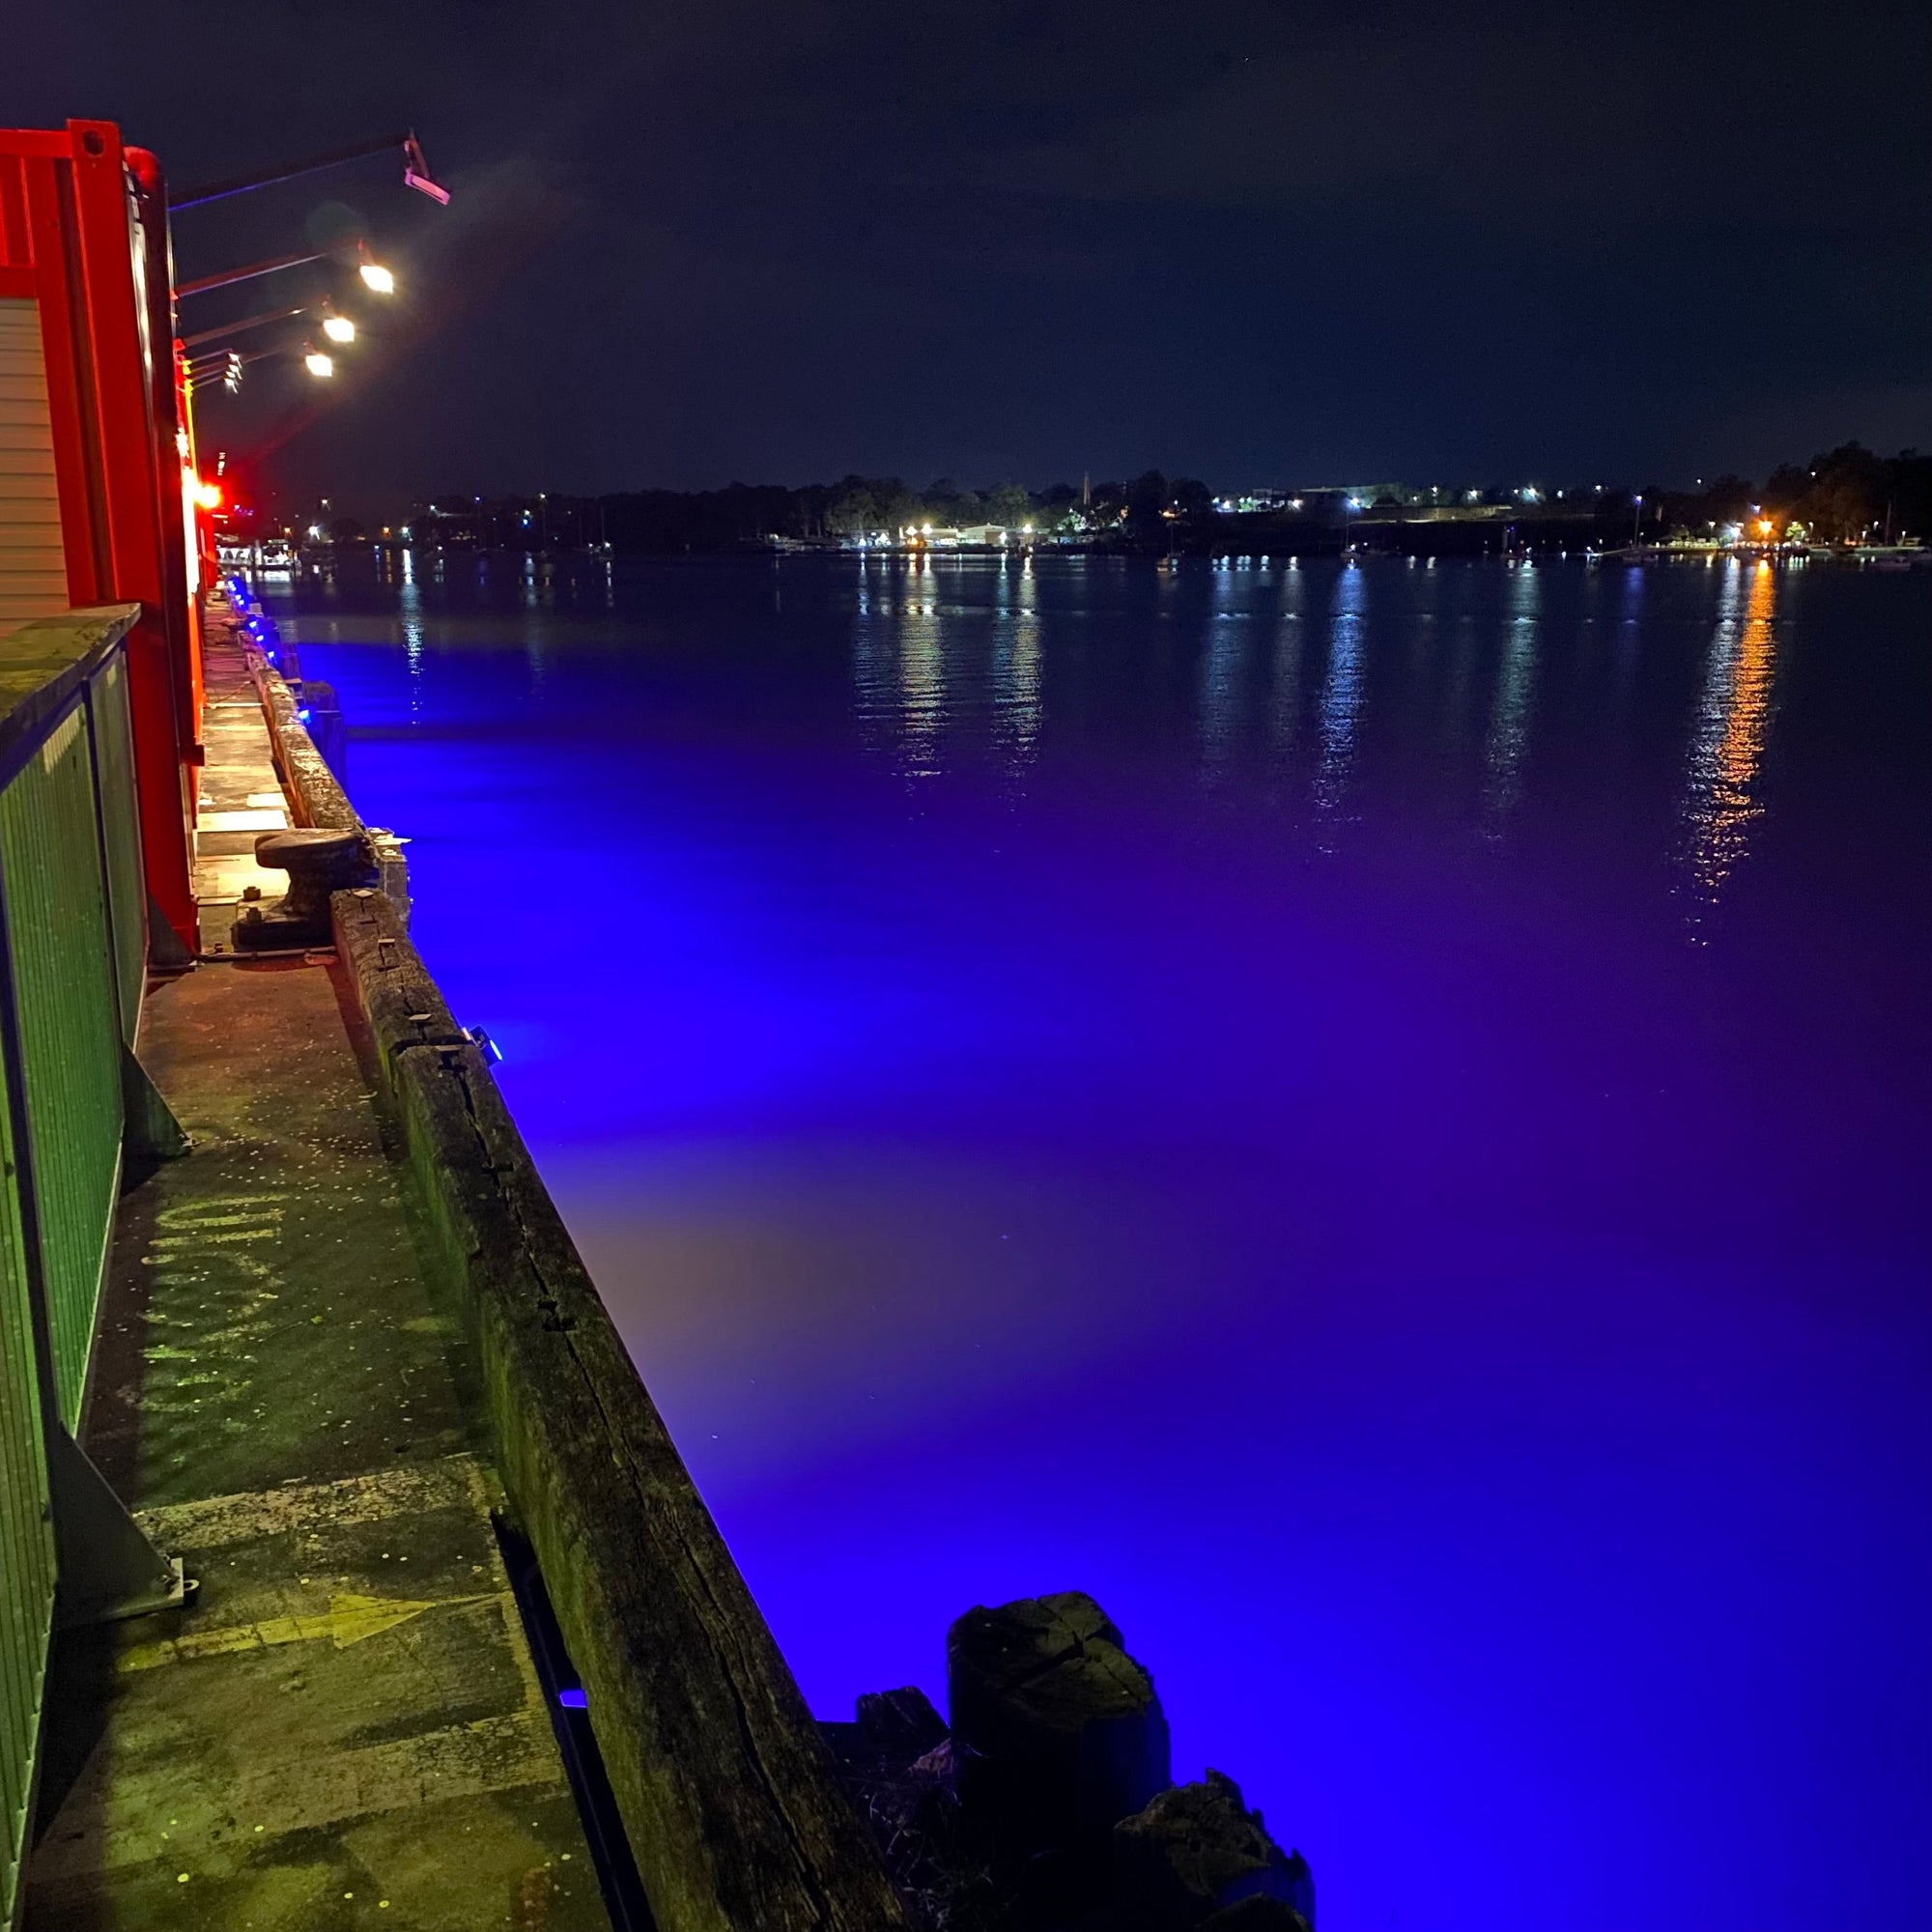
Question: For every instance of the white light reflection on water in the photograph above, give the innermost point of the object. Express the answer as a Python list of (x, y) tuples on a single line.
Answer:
[(1344, 687), (1223, 672), (537, 631), (876, 696), (409, 612), (1508, 736), (922, 672), (1016, 700), (1284, 713), (1733, 719)]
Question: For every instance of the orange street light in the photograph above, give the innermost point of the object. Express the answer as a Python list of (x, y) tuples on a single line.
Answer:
[(373, 271)]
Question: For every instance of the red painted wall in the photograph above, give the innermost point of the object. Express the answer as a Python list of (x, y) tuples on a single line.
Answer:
[(83, 235)]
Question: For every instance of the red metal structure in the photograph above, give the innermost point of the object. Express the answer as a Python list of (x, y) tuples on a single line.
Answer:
[(84, 239)]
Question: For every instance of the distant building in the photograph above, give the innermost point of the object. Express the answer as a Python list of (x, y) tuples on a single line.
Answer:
[(1352, 495), (1327, 498), (967, 536)]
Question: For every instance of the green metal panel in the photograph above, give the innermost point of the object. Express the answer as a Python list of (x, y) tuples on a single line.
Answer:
[(73, 982), (68, 1030), (120, 835), (26, 1536)]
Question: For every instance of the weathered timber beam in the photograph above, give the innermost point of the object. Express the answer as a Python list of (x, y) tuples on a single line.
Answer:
[(319, 799), (728, 1794), (315, 794)]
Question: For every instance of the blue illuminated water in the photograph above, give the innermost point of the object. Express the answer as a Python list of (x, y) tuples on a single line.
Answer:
[(1372, 1117)]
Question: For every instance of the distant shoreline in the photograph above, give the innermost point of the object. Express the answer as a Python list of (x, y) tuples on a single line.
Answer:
[(1404, 542)]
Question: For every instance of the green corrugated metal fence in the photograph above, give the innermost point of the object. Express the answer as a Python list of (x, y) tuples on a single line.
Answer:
[(26, 1535), (120, 836), (68, 1028), (73, 942)]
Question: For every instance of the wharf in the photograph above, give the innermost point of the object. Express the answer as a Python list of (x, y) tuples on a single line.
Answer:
[(241, 795), (347, 1727)]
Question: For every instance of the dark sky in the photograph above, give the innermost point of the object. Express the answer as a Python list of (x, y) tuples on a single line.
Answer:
[(1252, 241)]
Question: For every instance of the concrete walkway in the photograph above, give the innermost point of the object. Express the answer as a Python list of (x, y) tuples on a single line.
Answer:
[(346, 1729), (240, 797)]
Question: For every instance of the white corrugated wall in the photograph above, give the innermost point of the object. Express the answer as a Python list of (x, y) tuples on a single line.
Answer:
[(32, 568)]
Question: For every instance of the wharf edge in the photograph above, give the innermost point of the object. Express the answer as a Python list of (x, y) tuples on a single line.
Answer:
[(729, 1796)]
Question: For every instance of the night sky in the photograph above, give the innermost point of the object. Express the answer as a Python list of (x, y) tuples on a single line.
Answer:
[(1252, 242)]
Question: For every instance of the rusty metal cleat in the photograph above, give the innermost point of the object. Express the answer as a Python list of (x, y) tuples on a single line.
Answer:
[(318, 862)]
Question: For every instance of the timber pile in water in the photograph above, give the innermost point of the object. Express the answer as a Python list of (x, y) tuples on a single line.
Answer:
[(1048, 1805)]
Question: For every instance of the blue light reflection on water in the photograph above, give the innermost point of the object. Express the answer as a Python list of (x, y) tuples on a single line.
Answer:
[(1369, 1117)]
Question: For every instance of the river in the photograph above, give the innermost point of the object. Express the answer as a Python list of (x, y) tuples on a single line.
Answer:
[(1372, 1116)]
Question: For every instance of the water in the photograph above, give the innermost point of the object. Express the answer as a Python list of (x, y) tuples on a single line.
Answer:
[(1370, 1117)]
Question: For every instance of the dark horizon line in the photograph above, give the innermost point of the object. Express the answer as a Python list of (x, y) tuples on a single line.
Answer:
[(946, 484)]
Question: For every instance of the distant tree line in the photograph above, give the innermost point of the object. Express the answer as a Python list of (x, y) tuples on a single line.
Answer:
[(1846, 495), (745, 515)]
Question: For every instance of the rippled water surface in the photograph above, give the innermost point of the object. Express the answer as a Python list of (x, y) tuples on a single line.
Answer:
[(1373, 1118)]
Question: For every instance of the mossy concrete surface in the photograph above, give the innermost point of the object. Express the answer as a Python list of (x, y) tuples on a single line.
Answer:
[(345, 1728)]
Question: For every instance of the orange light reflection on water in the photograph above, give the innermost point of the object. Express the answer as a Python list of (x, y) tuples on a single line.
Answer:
[(1727, 745)]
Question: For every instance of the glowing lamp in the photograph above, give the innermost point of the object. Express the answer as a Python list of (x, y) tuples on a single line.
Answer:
[(207, 495), (317, 363), (379, 278), (338, 329)]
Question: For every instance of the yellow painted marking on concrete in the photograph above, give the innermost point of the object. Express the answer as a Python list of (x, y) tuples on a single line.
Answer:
[(348, 1619), (215, 1238), (190, 1212), (250, 1217)]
